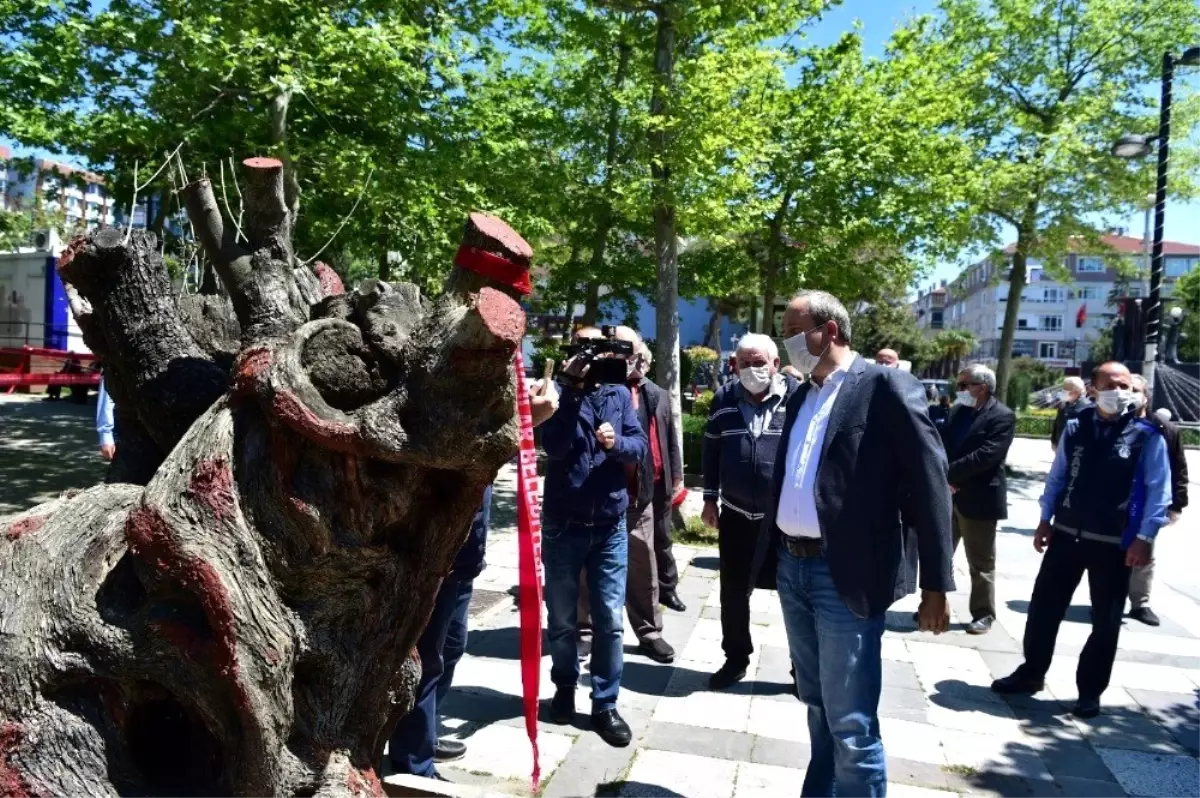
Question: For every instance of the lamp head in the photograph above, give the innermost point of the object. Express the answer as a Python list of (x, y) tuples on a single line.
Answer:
[(1190, 57), (1176, 313), (1132, 145)]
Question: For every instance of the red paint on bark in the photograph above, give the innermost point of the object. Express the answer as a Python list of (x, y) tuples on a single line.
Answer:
[(251, 365), (212, 485), (25, 526), (364, 782), (74, 248), (13, 783), (331, 283), (149, 538), (263, 163), (330, 434), (502, 316)]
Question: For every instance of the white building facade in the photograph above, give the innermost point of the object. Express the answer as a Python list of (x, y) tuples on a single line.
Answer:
[(1058, 321), (56, 187)]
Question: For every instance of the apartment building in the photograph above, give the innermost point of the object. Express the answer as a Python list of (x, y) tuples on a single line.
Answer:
[(1059, 320), (930, 309), (78, 194)]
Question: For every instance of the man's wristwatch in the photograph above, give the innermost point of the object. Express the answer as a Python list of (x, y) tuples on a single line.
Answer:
[(1146, 538)]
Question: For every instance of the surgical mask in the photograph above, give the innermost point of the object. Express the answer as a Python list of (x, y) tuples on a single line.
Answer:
[(964, 398), (1139, 401), (1062, 396), (1115, 401), (798, 354), (755, 379)]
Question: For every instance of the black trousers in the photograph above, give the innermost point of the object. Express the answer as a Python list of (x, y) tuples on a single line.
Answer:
[(1063, 565), (668, 571), (736, 540)]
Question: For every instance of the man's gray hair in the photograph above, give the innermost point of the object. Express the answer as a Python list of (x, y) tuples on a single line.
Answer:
[(824, 307), (1073, 384), (982, 375), (760, 342)]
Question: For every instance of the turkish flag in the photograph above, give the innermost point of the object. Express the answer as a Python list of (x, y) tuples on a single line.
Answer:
[(1081, 316)]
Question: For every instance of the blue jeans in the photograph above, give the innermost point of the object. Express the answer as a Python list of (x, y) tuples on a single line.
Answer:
[(839, 675), (603, 551), (441, 646)]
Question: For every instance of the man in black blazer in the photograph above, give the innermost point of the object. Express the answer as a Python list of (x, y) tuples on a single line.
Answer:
[(977, 436), (859, 460)]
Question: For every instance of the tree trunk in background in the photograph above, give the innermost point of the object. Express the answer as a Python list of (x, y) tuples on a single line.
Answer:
[(772, 266), (665, 243), (1012, 308), (243, 621), (385, 263), (712, 336)]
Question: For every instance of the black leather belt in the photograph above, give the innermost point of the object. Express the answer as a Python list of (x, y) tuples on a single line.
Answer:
[(803, 547)]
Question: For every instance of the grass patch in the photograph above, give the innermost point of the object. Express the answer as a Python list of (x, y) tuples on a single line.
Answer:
[(695, 533), (966, 771)]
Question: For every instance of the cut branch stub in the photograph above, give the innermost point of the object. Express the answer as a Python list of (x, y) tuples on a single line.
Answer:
[(266, 206)]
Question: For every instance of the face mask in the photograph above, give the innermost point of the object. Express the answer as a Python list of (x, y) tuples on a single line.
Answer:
[(798, 354), (965, 399), (1062, 396), (1139, 401), (755, 379), (1116, 401)]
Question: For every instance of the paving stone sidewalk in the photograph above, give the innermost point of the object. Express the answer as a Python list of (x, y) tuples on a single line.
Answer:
[(946, 733)]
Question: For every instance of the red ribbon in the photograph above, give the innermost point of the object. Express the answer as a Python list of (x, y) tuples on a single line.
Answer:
[(490, 265), (529, 560)]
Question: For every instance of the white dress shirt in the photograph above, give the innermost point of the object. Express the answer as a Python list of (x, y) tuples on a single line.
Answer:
[(797, 513)]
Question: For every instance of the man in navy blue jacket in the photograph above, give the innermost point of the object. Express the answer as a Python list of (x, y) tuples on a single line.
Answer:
[(588, 442)]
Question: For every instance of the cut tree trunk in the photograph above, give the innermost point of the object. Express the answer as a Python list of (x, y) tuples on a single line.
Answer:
[(243, 620)]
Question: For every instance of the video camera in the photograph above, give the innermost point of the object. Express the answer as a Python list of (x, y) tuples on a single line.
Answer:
[(606, 357)]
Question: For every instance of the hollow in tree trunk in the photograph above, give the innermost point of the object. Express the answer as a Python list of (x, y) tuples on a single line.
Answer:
[(235, 613)]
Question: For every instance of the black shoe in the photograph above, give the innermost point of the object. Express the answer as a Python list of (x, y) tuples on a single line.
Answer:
[(1086, 708), (612, 728), (439, 777), (980, 626), (1017, 683), (1145, 615), (583, 648), (562, 706), (730, 674), (448, 750), (658, 650), (671, 601)]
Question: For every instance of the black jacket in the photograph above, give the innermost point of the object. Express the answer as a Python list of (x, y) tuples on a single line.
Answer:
[(1066, 412), (1179, 472), (977, 460), (654, 401), (882, 467)]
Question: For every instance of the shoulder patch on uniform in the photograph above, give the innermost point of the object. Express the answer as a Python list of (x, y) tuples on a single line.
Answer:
[(1147, 426)]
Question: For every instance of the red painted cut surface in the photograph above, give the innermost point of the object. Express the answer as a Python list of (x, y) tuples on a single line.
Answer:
[(212, 485), (12, 782), (497, 228), (364, 782), (25, 526), (251, 364), (149, 538), (330, 434), (68, 254), (262, 163), (331, 283), (502, 316)]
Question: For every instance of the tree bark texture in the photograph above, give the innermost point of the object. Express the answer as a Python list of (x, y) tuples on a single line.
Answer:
[(239, 617), (665, 242), (1012, 309)]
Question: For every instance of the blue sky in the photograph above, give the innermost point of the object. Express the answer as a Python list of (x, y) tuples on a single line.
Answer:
[(876, 20)]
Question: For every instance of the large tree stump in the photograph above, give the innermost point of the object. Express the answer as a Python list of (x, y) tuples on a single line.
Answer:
[(236, 611)]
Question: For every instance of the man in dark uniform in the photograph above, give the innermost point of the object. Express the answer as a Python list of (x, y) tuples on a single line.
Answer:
[(1072, 399), (1107, 495)]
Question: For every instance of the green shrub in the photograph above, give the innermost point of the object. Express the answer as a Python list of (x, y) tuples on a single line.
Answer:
[(1034, 426), (547, 349), (702, 403), (693, 443), (1040, 375), (1018, 392), (1190, 436)]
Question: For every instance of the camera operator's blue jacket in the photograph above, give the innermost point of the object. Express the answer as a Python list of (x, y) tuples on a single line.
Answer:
[(584, 483)]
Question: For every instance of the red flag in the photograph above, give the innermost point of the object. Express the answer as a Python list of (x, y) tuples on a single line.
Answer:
[(529, 561), (1081, 316)]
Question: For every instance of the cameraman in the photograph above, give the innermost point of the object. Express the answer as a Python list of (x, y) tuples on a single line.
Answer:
[(588, 442)]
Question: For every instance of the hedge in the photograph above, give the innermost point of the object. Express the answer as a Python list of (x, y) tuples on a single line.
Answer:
[(1034, 426)]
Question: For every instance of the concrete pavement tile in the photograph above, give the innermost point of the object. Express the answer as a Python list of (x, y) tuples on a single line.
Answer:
[(1074, 760), (1129, 729), (939, 655), (995, 720), (716, 743), (916, 773), (995, 755), (784, 753), (918, 742), (1153, 774), (943, 685), (1087, 788), (990, 783), (909, 791), (778, 719), (711, 710), (903, 705), (710, 613), (1177, 713), (1162, 677), (900, 676), (1001, 663), (766, 781), (504, 752), (667, 773)]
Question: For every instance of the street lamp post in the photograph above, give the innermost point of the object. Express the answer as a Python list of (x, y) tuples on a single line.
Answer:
[(1138, 146)]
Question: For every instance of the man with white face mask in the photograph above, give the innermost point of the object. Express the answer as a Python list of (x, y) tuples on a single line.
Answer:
[(1106, 497), (1072, 400), (859, 462), (740, 444)]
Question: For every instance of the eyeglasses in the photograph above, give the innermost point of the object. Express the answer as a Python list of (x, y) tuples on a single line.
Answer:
[(963, 385)]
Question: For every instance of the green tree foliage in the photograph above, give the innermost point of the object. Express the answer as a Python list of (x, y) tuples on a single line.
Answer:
[(1050, 84), (1040, 375), (1187, 292)]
